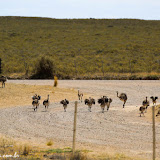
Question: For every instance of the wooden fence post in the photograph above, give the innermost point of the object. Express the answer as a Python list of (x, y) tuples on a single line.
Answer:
[(74, 128), (154, 133)]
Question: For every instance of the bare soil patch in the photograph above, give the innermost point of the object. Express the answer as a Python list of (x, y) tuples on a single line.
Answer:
[(21, 94)]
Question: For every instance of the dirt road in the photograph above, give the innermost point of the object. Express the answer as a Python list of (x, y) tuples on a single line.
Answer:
[(120, 128)]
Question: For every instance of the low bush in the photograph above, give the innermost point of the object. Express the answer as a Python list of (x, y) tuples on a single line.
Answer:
[(151, 77), (44, 69)]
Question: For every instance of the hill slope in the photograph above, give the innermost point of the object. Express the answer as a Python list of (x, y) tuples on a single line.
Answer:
[(80, 47)]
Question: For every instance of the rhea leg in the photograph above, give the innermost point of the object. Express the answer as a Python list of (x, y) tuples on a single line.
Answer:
[(102, 109), (146, 109), (107, 108), (3, 84), (124, 104), (65, 107)]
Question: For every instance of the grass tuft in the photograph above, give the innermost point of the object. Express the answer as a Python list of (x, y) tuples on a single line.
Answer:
[(78, 156), (26, 150), (50, 143), (55, 81)]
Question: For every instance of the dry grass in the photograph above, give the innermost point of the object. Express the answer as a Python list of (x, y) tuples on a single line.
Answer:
[(21, 94), (11, 147), (128, 74), (121, 76), (107, 75), (50, 143), (55, 81), (78, 156), (113, 157), (27, 151)]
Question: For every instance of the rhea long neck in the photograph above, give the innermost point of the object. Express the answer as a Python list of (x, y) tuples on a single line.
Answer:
[(117, 94)]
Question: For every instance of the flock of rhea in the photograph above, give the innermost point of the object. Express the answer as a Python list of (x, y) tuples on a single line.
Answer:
[(145, 105), (36, 103), (103, 101)]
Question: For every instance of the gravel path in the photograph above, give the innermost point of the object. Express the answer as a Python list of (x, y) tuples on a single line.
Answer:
[(121, 129)]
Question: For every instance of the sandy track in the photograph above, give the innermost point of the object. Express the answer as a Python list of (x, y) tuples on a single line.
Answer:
[(121, 129)]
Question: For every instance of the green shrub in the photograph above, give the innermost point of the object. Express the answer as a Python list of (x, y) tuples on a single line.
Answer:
[(151, 77), (44, 69), (133, 77)]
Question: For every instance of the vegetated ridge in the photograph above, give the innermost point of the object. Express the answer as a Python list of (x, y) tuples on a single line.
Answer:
[(80, 47)]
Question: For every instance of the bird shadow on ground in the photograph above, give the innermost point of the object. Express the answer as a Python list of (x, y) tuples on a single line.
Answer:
[(33, 111), (44, 111), (30, 108), (140, 116)]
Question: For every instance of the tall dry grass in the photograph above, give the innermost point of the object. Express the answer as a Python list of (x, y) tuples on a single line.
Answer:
[(55, 81)]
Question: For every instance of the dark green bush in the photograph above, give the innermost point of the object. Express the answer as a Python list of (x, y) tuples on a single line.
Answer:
[(44, 69), (133, 77), (151, 77)]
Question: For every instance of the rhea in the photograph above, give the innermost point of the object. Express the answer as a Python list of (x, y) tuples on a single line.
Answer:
[(142, 109), (3, 79), (102, 101), (36, 97), (109, 103), (65, 102), (46, 103), (35, 101), (89, 102), (145, 103), (122, 97), (35, 104), (154, 100), (158, 113), (80, 95)]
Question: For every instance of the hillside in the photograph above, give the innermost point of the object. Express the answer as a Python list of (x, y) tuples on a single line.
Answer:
[(80, 47)]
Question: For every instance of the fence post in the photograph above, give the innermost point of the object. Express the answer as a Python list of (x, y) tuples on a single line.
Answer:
[(74, 128), (0, 66), (154, 133)]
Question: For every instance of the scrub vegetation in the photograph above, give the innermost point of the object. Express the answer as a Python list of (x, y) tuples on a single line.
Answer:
[(81, 48)]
